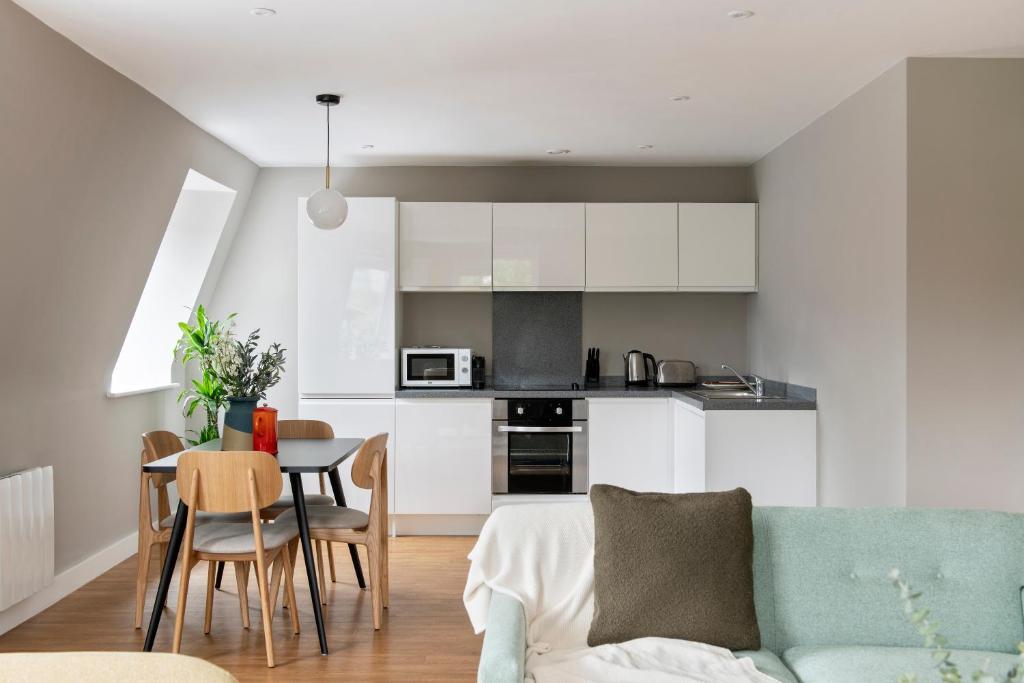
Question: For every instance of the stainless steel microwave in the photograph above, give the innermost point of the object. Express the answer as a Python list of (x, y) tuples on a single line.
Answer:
[(429, 366)]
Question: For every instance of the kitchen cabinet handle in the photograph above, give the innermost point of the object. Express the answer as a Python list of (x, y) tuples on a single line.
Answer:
[(539, 430)]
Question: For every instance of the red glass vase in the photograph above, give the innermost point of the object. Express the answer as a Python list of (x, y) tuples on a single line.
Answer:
[(264, 429)]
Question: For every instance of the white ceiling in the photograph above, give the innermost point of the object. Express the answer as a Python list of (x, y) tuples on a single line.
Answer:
[(501, 81)]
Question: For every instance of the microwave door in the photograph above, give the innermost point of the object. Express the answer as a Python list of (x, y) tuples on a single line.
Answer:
[(430, 367)]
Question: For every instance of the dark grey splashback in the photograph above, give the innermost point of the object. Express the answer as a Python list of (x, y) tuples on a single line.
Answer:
[(537, 337)]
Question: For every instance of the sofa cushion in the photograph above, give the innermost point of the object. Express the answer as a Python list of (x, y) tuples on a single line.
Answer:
[(673, 566), (871, 664), (767, 662)]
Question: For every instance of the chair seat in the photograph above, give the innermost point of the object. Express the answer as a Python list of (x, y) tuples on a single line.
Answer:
[(207, 517), (286, 501), (231, 539), (333, 517), (874, 664), (767, 662)]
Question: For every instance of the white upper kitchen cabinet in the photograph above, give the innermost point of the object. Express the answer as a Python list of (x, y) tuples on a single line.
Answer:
[(539, 247), (628, 443), (444, 461), (346, 302), (718, 247), (444, 246), (354, 417), (632, 247)]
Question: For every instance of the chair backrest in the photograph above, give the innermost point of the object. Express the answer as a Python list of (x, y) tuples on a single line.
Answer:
[(367, 468), (159, 444), (228, 481), (304, 429)]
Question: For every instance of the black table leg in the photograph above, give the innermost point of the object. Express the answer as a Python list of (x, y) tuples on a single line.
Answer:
[(220, 574), (173, 547), (307, 554), (339, 498)]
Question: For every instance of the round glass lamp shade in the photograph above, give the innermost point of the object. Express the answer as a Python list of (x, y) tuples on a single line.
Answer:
[(327, 208)]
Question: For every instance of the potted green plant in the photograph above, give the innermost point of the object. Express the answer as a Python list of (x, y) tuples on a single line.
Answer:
[(198, 343), (246, 375)]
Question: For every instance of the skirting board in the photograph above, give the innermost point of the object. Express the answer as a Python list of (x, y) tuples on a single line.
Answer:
[(437, 525), (70, 580)]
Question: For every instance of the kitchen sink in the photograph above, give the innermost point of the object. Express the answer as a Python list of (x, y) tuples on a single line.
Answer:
[(733, 393)]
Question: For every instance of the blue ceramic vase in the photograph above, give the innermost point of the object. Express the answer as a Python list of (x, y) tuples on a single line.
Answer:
[(238, 423)]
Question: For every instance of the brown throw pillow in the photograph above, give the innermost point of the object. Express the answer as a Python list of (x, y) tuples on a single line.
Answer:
[(673, 566)]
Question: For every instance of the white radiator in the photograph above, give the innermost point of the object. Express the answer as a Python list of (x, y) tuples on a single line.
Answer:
[(26, 534)]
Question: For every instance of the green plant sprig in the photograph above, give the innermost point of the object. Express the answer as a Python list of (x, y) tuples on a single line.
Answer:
[(939, 645)]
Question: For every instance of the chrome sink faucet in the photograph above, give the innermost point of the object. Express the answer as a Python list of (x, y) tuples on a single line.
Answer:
[(757, 387)]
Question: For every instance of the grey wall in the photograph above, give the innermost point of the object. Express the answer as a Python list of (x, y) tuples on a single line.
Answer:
[(269, 228), (831, 310), (709, 329), (965, 436), (87, 186), (455, 319)]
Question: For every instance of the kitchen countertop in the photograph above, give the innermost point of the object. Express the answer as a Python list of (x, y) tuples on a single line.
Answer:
[(796, 397)]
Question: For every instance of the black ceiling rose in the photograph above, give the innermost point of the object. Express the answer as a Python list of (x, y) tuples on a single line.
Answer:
[(328, 100)]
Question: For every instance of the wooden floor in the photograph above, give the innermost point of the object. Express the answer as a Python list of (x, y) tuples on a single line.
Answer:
[(426, 635)]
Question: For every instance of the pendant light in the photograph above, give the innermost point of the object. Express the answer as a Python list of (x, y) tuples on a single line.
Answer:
[(327, 207)]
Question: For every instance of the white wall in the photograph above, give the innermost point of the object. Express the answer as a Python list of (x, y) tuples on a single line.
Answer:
[(966, 283), (831, 308), (87, 186)]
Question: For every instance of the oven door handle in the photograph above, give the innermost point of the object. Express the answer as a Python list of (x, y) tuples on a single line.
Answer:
[(539, 430)]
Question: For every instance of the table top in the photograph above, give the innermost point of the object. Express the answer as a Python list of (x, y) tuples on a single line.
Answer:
[(294, 455)]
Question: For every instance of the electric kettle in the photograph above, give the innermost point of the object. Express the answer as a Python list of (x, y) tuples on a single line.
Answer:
[(637, 371)]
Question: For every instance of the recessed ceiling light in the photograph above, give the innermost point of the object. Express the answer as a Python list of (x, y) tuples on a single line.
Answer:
[(558, 151), (645, 146), (262, 12), (366, 147), (680, 98), (740, 14)]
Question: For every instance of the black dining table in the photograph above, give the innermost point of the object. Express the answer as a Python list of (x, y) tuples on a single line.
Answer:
[(296, 457)]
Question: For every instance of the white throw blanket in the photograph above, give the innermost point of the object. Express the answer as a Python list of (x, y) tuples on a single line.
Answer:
[(543, 556)]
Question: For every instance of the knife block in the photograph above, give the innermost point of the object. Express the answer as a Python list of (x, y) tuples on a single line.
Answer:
[(592, 374)]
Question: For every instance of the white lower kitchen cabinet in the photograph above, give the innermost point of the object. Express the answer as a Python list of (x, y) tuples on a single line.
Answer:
[(771, 453), (445, 462), (628, 443), (354, 417)]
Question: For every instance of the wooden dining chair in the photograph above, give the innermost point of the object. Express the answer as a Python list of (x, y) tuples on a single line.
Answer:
[(347, 525), (311, 429), (231, 482), (155, 445)]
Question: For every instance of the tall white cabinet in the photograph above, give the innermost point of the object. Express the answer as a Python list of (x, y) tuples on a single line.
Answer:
[(632, 247), (346, 329), (539, 246), (445, 246), (718, 247), (346, 302)]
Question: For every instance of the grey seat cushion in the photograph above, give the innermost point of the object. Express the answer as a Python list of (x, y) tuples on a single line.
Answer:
[(207, 517), (767, 662), (286, 501), (221, 537), (872, 664), (331, 518)]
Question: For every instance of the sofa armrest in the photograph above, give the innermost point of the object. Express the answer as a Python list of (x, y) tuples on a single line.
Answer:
[(502, 658)]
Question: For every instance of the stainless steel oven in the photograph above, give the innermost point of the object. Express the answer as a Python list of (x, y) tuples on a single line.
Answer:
[(539, 446)]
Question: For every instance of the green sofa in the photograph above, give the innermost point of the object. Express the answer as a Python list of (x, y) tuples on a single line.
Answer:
[(828, 612)]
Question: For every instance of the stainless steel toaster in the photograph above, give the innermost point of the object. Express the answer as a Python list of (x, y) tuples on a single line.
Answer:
[(676, 373)]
